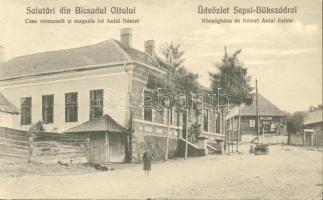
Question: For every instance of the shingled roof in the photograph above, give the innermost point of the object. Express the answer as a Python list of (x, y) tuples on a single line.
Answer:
[(265, 108), (104, 123), (6, 106), (313, 117), (107, 52)]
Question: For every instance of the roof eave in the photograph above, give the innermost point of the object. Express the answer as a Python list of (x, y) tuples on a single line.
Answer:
[(84, 67)]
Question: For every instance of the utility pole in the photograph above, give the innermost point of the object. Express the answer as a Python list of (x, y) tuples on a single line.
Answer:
[(257, 110), (239, 127), (227, 130)]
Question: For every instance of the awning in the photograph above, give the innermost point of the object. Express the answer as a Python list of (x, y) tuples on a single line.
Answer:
[(104, 123)]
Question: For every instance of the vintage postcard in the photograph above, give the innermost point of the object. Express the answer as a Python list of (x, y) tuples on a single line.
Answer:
[(138, 99)]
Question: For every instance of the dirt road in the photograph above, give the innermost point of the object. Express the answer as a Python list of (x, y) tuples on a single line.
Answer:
[(292, 173)]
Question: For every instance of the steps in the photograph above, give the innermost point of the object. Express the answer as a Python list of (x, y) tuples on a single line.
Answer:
[(193, 150), (213, 150)]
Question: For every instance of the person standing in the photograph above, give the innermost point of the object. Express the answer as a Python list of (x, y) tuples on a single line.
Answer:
[(146, 158)]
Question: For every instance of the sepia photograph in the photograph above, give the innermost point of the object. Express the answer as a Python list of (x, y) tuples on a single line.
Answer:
[(138, 99)]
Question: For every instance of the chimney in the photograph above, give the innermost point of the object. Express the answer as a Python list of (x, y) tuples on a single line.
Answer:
[(1, 54), (150, 47), (126, 36)]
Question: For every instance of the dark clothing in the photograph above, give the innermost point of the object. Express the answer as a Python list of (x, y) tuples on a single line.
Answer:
[(146, 158)]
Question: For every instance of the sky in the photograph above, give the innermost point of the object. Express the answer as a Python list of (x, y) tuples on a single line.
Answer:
[(286, 59)]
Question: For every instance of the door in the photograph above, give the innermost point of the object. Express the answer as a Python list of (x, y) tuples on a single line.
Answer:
[(97, 149), (117, 147), (266, 125), (308, 139)]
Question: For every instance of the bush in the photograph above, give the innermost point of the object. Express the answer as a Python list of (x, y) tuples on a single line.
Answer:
[(37, 127)]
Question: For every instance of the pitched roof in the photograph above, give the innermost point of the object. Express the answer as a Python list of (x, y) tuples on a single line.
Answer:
[(265, 108), (313, 117), (6, 106), (106, 52), (104, 123)]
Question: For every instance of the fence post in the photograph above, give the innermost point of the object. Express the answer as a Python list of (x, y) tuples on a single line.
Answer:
[(31, 146)]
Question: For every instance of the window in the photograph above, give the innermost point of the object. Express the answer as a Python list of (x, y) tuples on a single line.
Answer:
[(48, 109), (148, 112), (252, 123), (96, 103), (71, 107), (25, 111), (205, 120)]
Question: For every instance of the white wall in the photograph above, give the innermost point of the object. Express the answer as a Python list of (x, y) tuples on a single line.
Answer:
[(7, 119), (113, 80)]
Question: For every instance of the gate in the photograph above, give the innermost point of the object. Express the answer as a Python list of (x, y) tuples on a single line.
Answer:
[(117, 147), (97, 149), (107, 147)]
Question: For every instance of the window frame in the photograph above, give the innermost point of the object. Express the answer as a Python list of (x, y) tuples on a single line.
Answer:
[(148, 113), (94, 108), (71, 108), (23, 114), (48, 109), (252, 123)]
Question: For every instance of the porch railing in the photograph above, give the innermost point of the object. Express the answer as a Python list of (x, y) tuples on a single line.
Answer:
[(213, 136)]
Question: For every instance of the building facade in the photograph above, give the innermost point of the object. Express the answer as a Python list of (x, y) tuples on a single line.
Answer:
[(313, 128), (66, 88), (271, 120), (8, 112)]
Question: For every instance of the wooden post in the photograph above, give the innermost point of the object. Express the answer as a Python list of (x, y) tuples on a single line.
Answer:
[(263, 134), (31, 147), (232, 138), (257, 112), (186, 135), (230, 130), (215, 120), (167, 139), (239, 127)]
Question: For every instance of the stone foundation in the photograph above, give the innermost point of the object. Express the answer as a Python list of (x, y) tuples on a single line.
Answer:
[(157, 146)]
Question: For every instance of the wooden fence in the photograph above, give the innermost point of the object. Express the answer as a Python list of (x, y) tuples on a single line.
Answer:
[(16, 145), (55, 147), (297, 140), (318, 139)]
